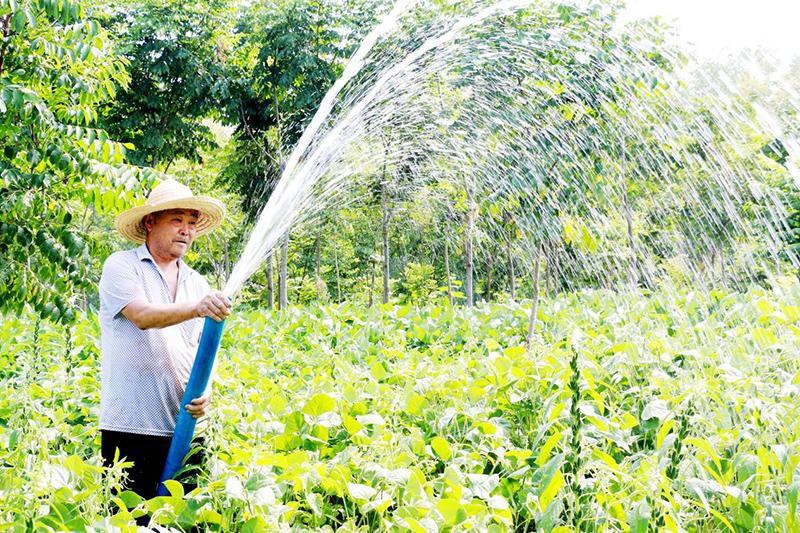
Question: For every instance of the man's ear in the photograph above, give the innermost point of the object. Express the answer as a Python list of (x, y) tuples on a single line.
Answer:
[(147, 222)]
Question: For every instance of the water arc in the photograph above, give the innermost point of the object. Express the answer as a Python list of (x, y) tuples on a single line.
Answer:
[(554, 158)]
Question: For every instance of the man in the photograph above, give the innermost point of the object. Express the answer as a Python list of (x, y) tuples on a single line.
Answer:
[(151, 310)]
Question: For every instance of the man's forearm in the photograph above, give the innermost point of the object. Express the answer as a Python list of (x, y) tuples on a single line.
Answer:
[(149, 315)]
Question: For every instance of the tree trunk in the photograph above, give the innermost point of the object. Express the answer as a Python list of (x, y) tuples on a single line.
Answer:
[(634, 267), (532, 320), (385, 232), (628, 218), (509, 224), (468, 274), (511, 276), (226, 261), (712, 262), (372, 282), (282, 273), (317, 274), (487, 293), (447, 270), (556, 270), (338, 278), (548, 273), (270, 284), (468, 248), (282, 282), (722, 265)]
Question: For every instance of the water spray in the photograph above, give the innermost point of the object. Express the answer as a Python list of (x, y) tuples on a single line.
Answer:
[(539, 159), (212, 330)]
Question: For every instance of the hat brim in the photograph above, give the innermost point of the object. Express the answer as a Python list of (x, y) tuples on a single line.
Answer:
[(212, 213)]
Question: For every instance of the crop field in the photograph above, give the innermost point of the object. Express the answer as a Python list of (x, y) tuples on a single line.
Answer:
[(630, 412)]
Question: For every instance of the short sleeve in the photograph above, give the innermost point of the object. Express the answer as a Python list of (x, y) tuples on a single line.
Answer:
[(120, 284)]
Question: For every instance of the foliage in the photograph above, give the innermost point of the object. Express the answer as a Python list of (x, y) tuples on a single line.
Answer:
[(665, 411), (56, 69), (176, 60), (215, 253), (291, 53), (418, 283)]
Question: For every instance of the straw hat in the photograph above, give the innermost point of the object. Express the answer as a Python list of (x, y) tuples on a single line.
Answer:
[(170, 194)]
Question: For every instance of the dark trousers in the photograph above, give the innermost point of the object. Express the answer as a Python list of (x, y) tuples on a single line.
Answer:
[(148, 454)]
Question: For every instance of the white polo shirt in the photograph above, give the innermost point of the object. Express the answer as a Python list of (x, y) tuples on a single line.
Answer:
[(144, 372)]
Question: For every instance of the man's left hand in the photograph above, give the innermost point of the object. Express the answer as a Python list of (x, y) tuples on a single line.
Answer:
[(199, 406)]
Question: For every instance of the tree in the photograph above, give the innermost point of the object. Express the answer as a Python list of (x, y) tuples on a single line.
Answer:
[(291, 53), (56, 69), (176, 56)]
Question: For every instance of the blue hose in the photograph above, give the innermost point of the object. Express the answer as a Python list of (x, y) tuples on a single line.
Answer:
[(198, 381)]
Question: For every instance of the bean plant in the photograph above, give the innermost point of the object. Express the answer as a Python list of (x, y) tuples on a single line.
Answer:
[(638, 411)]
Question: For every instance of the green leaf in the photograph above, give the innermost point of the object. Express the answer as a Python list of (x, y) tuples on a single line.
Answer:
[(546, 450), (666, 427), (451, 510), (29, 16), (641, 517), (360, 492), (606, 458), (791, 498), (256, 525), (514, 351), (319, 404), (208, 516), (442, 448), (764, 336), (378, 371), (130, 498), (551, 490), (655, 409), (416, 404), (66, 11), (174, 487), (18, 21), (13, 439), (628, 421)]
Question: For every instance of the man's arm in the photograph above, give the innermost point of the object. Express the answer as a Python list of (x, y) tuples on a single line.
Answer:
[(145, 315)]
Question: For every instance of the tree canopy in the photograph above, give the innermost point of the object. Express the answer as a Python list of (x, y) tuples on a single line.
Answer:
[(57, 68), (95, 100)]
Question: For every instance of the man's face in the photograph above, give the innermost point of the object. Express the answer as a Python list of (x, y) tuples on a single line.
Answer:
[(171, 232)]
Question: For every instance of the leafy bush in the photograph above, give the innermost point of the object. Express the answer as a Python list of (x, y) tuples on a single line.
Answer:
[(418, 283)]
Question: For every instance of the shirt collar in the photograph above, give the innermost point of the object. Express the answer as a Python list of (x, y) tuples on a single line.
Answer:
[(143, 253)]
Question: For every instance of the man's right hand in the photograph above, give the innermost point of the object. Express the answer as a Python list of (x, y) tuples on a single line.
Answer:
[(214, 305)]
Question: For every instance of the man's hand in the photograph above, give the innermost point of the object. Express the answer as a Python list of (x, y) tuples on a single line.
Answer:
[(199, 406), (214, 305)]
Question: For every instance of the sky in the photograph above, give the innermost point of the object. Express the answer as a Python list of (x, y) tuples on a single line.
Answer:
[(720, 27)]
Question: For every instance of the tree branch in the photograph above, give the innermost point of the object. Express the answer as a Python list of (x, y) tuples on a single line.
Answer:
[(6, 23)]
